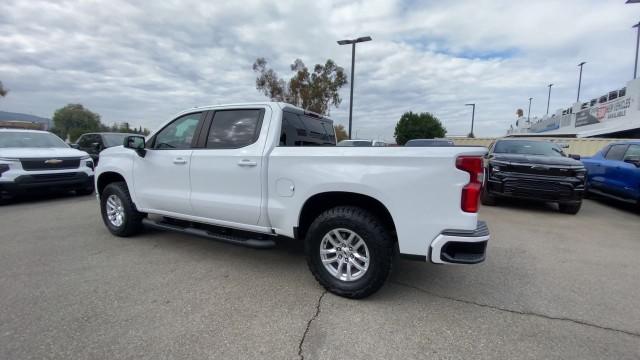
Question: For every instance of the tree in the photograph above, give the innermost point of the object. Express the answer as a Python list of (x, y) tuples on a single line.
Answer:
[(315, 90), (341, 133), (418, 126), (3, 91), (74, 120)]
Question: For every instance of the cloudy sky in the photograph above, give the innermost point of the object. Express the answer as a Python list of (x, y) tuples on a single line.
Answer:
[(143, 61)]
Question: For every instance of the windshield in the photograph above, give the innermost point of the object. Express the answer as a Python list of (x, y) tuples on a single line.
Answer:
[(114, 139), (359, 143), (543, 148), (25, 139)]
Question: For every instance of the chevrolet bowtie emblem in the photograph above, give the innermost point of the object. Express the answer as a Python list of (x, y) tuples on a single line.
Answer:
[(53, 161)]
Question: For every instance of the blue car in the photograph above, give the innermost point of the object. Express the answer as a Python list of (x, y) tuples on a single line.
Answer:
[(614, 171)]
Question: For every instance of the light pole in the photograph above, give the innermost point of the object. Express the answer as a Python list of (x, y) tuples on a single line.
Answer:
[(353, 65), (549, 98), (473, 115), (529, 112), (635, 67), (580, 80)]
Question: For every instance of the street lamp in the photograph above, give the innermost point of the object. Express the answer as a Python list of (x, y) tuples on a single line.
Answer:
[(353, 64), (580, 80), (529, 112), (549, 98), (473, 115), (635, 68)]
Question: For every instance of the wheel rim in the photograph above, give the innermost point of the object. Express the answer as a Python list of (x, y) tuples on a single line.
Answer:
[(115, 211), (344, 254)]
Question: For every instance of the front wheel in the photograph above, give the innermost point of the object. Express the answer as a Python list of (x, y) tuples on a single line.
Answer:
[(118, 211), (349, 251), (570, 208)]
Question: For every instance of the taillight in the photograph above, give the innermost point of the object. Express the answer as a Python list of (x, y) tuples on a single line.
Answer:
[(471, 191)]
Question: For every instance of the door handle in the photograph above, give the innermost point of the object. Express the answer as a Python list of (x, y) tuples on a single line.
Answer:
[(246, 162), (179, 161)]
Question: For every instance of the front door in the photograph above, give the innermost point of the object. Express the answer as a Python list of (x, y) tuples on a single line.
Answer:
[(226, 173), (161, 178)]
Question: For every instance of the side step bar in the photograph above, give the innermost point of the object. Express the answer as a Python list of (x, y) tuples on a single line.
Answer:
[(228, 238)]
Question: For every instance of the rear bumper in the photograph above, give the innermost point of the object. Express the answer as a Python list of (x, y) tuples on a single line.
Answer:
[(53, 181), (460, 246)]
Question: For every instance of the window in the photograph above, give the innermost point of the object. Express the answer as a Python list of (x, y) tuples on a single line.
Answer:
[(602, 99), (84, 141), (232, 129), (633, 151), (613, 95), (114, 139), (593, 102), (527, 147), (622, 92), (306, 130), (178, 134), (23, 139), (616, 152)]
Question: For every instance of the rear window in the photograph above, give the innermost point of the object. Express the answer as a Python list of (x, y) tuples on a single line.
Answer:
[(429, 142), (355, 143), (306, 130)]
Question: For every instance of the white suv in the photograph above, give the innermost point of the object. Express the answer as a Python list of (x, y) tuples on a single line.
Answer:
[(39, 160)]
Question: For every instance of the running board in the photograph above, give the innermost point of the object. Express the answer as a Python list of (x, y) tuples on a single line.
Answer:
[(228, 238)]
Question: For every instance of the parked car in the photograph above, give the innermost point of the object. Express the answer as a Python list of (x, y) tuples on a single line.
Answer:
[(94, 143), (534, 170), (614, 171), (224, 172), (430, 142), (38, 160), (362, 143)]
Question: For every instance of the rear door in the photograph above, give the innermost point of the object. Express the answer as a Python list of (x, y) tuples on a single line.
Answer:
[(161, 178), (227, 167)]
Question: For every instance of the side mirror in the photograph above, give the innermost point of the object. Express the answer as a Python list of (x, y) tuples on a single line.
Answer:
[(136, 143), (635, 160), (574, 156), (75, 146)]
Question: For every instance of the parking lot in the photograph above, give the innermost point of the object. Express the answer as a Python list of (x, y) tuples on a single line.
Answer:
[(553, 286)]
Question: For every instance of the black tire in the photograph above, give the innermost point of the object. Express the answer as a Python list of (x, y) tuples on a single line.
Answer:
[(132, 221), (570, 208), (486, 198), (376, 237)]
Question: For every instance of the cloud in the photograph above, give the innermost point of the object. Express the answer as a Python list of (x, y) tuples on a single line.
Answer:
[(143, 61)]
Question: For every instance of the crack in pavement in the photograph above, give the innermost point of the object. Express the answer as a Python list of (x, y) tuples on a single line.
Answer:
[(304, 336), (548, 317)]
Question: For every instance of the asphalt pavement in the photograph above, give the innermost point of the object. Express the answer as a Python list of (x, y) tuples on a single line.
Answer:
[(554, 286)]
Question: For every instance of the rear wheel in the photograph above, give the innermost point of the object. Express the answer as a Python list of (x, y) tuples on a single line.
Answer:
[(349, 251), (570, 208), (118, 211)]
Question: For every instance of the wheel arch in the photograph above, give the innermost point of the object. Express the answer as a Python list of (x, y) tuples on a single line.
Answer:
[(107, 178), (320, 202)]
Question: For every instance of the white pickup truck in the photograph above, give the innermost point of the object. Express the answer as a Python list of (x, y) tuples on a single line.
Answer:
[(250, 173)]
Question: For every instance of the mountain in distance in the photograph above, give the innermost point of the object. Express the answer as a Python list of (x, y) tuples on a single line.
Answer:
[(13, 116)]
